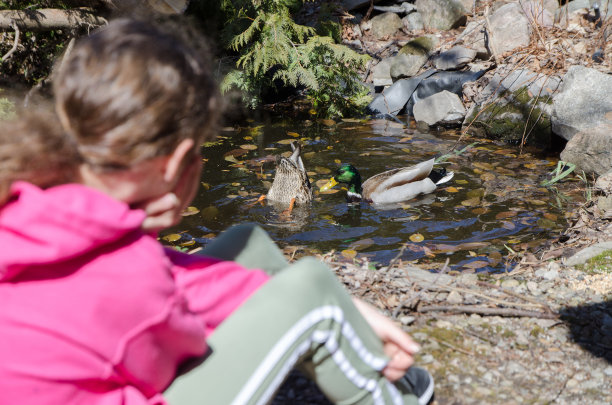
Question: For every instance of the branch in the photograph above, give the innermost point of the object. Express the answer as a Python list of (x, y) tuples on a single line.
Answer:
[(471, 309), (15, 43), (47, 19)]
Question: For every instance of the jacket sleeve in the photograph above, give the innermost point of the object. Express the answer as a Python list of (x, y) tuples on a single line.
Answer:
[(214, 288)]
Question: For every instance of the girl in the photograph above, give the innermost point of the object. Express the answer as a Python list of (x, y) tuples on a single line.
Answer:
[(95, 311)]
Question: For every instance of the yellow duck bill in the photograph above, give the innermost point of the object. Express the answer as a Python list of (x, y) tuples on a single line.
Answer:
[(330, 184)]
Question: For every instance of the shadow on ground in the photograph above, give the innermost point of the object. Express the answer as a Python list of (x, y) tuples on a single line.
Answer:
[(591, 327)]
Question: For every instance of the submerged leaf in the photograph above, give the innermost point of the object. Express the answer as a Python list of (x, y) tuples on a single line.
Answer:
[(417, 237)]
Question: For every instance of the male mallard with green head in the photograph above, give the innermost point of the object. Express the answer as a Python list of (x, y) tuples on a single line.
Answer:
[(390, 187), (291, 184)]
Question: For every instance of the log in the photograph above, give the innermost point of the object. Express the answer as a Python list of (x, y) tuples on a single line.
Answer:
[(47, 19)]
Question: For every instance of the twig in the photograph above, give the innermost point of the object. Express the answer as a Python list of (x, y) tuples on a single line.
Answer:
[(397, 257), (15, 42), (445, 343), (418, 297), (471, 309), (514, 294)]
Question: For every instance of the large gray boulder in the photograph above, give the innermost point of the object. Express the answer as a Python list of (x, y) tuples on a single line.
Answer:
[(444, 108), (455, 58), (441, 14), (583, 100), (385, 24), (510, 29), (591, 150)]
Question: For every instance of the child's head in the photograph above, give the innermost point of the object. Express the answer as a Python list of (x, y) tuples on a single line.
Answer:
[(127, 97), (131, 92)]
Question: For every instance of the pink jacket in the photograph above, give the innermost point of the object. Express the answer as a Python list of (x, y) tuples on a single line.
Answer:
[(94, 311)]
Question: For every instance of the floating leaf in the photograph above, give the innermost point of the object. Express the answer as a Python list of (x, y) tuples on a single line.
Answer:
[(417, 237), (546, 223), (190, 211), (337, 161), (483, 165), (495, 258), (506, 214), (230, 159), (205, 186), (248, 147), (349, 253), (293, 134), (472, 202), (328, 123), (451, 189), (514, 241), (405, 150), (173, 237), (236, 152), (472, 253), (477, 264), (210, 212), (461, 181), (322, 170), (536, 202), (188, 243), (285, 141), (405, 139), (487, 176), (361, 244), (248, 138), (480, 210), (550, 216), (308, 155), (531, 166), (508, 225)]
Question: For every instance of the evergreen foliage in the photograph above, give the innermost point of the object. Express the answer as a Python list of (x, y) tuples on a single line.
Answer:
[(273, 49)]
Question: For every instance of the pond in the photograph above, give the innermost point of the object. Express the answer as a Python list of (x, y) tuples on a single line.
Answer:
[(494, 206)]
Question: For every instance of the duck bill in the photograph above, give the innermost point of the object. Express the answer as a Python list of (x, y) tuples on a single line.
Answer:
[(330, 184)]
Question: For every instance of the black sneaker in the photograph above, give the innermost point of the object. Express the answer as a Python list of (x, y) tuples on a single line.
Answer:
[(418, 381)]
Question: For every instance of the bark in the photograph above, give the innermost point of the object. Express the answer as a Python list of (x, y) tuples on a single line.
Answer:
[(48, 19)]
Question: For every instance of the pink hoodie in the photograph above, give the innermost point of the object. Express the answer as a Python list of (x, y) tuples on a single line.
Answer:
[(94, 311)]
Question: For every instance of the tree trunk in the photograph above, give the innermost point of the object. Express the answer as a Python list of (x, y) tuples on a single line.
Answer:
[(48, 19)]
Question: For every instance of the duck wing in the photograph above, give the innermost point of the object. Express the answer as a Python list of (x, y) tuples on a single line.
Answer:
[(400, 184)]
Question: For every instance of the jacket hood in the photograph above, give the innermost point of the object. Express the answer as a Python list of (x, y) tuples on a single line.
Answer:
[(40, 227)]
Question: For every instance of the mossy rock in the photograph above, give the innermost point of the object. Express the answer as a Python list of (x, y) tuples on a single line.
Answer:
[(7, 109), (512, 119), (419, 46)]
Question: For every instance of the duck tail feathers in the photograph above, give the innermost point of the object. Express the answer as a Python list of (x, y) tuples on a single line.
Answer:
[(441, 176), (447, 177)]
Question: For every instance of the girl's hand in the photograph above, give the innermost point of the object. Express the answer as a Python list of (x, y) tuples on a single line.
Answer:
[(397, 345)]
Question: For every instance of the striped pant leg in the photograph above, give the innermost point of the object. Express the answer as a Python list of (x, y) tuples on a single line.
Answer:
[(301, 317)]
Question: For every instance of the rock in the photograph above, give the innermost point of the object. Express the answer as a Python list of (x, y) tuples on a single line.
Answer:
[(420, 46), (441, 14), (381, 73), (547, 274), (403, 65), (404, 8), (604, 183), (444, 108), (393, 99), (413, 22), (455, 58), (533, 287), (385, 24), (353, 4), (473, 37), (510, 29), (510, 283), (537, 13), (585, 254), (407, 320), (513, 117), (591, 150), (454, 298), (582, 101)]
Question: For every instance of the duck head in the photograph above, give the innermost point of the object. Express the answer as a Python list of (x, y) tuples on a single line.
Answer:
[(347, 174)]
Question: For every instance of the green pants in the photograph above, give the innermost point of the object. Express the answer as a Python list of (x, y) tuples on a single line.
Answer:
[(303, 317)]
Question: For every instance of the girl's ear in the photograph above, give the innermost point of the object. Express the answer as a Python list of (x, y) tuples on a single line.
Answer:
[(175, 160)]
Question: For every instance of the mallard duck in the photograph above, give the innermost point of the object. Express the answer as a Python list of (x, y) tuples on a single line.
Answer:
[(291, 184), (392, 186)]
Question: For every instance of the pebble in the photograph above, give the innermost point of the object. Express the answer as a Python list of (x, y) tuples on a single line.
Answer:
[(407, 319), (454, 298), (532, 286), (608, 371), (510, 283)]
